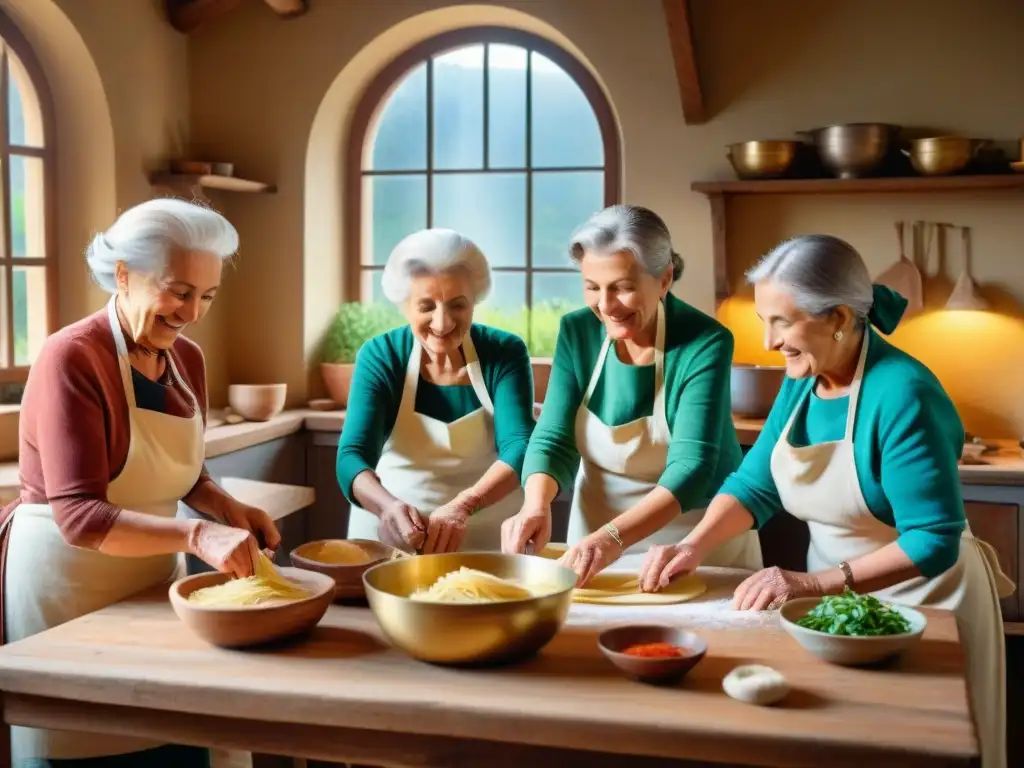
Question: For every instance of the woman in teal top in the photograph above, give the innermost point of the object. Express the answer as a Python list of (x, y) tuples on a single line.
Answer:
[(638, 406), (862, 443), (440, 411)]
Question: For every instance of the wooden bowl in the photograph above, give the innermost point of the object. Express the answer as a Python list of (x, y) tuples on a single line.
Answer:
[(348, 579), (614, 641), (237, 627), (849, 650), (257, 402)]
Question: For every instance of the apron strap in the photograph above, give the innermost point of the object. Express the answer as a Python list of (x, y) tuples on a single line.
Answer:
[(122, 352), (476, 376), (412, 378), (858, 376)]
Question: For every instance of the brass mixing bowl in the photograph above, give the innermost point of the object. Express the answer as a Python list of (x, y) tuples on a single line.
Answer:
[(460, 633), (762, 159), (940, 155)]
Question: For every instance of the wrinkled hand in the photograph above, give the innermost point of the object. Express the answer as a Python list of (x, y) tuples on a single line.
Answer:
[(532, 524), (447, 526), (229, 550), (402, 526), (254, 520), (665, 562), (770, 588), (591, 555)]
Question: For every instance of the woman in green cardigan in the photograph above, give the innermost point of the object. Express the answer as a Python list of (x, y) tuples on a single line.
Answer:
[(862, 443), (440, 410), (637, 412)]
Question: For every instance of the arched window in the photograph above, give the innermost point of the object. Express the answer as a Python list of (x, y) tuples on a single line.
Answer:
[(496, 133), (27, 243)]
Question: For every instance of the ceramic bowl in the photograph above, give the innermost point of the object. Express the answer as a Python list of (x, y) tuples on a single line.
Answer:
[(614, 641), (257, 402), (241, 626), (846, 650), (348, 579)]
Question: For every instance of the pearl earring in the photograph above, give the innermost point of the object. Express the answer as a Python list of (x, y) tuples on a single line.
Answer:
[(838, 335)]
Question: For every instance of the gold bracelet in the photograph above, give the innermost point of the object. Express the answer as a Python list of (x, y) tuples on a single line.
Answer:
[(610, 527), (847, 574)]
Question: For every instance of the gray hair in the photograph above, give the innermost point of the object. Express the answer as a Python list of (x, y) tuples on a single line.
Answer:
[(632, 228), (432, 252), (144, 236), (823, 273)]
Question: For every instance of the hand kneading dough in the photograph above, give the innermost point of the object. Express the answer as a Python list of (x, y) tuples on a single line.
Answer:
[(755, 684), (623, 588)]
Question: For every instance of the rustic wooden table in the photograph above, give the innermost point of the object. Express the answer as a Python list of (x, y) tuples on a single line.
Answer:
[(345, 695)]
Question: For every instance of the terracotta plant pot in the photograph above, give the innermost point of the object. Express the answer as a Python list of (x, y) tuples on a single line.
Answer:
[(541, 373), (337, 378)]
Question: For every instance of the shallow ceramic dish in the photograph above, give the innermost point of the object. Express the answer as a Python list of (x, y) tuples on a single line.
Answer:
[(241, 626), (469, 633), (348, 579), (614, 641), (849, 650)]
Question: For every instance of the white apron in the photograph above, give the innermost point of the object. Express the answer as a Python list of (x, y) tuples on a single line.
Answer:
[(620, 465), (427, 463), (818, 484), (49, 582)]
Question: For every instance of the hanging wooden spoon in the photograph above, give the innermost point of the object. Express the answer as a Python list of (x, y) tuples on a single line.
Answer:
[(965, 295)]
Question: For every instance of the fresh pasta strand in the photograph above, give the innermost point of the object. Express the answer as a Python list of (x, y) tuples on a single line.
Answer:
[(468, 585), (266, 585)]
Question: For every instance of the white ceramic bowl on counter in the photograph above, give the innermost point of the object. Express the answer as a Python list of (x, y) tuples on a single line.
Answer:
[(849, 650)]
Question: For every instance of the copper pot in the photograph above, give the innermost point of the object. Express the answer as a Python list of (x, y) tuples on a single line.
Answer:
[(762, 159), (940, 155)]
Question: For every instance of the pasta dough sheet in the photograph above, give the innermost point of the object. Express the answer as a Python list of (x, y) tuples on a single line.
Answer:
[(612, 588)]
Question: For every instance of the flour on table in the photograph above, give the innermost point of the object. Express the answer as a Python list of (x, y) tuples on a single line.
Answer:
[(712, 610)]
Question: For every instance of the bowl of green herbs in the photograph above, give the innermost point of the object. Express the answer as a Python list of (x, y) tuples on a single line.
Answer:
[(852, 629)]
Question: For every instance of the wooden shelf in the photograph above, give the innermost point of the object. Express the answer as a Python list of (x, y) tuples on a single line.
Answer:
[(718, 192), (852, 186), (200, 182)]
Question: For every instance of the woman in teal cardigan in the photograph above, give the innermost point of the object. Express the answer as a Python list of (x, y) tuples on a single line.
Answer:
[(862, 443), (637, 413), (440, 410)]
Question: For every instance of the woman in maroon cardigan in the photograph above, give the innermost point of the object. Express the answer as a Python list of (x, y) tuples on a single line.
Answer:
[(112, 426)]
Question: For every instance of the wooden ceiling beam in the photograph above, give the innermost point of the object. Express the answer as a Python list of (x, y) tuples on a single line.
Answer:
[(187, 15), (680, 33)]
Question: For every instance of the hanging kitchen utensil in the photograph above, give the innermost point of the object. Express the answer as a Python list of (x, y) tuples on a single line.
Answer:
[(904, 277), (964, 295)]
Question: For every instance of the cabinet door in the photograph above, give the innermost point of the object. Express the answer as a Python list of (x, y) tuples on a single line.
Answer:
[(998, 525)]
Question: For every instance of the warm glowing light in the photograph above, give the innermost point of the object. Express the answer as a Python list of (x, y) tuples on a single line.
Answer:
[(978, 357)]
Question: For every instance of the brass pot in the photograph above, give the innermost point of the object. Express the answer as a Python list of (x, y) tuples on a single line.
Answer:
[(853, 150), (940, 155), (762, 159), (469, 633)]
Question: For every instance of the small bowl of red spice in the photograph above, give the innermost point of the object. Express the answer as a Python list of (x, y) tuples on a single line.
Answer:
[(652, 653)]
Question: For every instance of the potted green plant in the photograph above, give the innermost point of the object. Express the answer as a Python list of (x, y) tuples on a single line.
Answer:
[(353, 325)]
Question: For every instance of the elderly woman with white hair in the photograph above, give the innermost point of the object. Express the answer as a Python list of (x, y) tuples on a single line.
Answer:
[(112, 425), (638, 401), (440, 410), (862, 443)]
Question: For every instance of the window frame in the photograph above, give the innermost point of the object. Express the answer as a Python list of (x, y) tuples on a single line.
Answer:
[(378, 91), (13, 38)]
